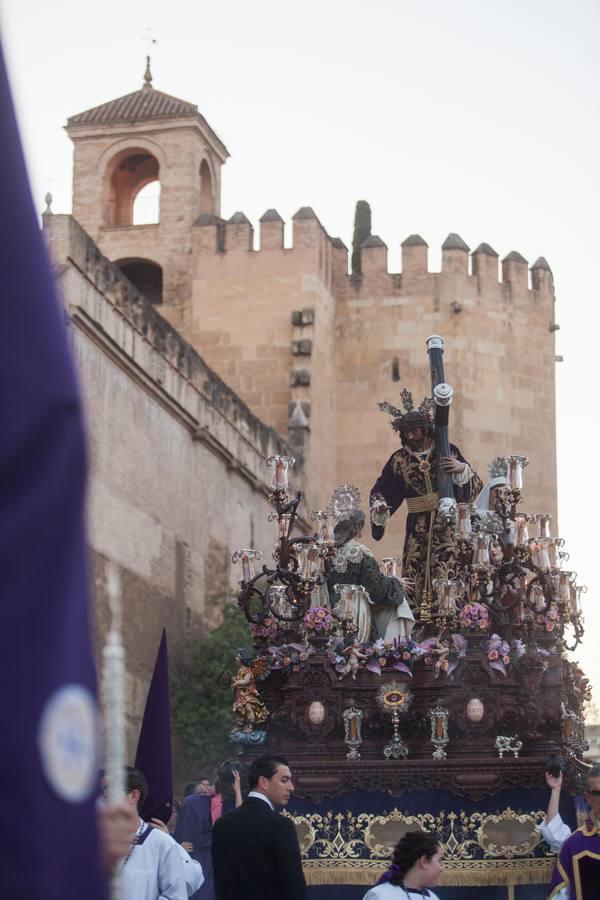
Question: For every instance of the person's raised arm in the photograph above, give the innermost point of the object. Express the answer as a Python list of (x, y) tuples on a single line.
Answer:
[(554, 782)]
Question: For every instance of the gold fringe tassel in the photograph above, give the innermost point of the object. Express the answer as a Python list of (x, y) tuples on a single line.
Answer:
[(457, 873)]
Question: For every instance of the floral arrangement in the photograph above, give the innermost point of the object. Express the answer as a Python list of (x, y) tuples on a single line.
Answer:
[(547, 621), (265, 629), (289, 657), (501, 654), (474, 617), (318, 619)]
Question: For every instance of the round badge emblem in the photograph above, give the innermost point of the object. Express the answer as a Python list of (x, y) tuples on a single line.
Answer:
[(68, 743)]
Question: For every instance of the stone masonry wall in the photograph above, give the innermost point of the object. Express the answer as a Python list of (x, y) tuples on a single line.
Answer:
[(177, 481), (265, 320)]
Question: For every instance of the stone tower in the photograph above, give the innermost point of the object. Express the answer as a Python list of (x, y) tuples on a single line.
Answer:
[(121, 147), (310, 348)]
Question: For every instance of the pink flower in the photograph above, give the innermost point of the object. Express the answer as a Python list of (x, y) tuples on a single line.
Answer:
[(382, 661), (303, 656), (553, 614), (493, 654), (286, 661), (549, 626), (506, 660), (295, 668), (406, 655)]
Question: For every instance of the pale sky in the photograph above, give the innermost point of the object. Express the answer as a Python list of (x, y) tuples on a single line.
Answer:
[(471, 117)]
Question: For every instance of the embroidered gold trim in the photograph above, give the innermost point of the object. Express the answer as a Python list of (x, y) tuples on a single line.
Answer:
[(457, 873)]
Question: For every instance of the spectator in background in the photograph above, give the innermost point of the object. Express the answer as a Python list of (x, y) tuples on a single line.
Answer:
[(228, 787), (194, 832)]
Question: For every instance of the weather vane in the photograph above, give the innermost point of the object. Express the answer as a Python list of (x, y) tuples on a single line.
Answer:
[(149, 40)]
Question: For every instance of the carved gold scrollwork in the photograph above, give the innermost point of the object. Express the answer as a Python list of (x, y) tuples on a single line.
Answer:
[(382, 833), (509, 834), (346, 836)]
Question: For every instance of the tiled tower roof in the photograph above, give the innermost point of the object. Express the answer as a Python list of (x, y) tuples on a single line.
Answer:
[(142, 106), (147, 103)]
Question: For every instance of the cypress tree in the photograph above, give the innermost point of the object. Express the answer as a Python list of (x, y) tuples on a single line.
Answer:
[(362, 230)]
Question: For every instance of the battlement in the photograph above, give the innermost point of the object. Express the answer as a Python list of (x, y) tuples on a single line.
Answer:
[(215, 235), (478, 269), (481, 268)]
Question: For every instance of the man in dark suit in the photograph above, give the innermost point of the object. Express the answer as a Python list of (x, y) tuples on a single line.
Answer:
[(255, 850)]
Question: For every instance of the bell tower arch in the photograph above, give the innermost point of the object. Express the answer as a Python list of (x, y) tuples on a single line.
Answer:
[(145, 167)]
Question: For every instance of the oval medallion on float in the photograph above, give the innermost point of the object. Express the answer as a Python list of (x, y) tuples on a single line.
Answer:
[(316, 713), (475, 710)]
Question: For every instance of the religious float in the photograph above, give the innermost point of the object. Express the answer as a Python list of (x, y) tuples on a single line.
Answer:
[(433, 701)]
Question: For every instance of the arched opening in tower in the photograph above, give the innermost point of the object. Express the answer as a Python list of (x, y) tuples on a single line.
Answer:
[(133, 189), (207, 196), (146, 276), (146, 205)]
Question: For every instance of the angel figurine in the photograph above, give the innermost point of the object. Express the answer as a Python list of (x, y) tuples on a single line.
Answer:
[(247, 704), (355, 657)]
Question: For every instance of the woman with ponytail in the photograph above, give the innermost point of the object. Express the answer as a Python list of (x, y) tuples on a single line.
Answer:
[(416, 864)]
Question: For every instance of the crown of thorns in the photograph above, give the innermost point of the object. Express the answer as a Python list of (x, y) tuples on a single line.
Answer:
[(409, 416)]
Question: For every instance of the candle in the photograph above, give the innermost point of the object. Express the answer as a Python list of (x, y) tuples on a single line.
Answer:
[(245, 557), (352, 728), (482, 555), (389, 566), (114, 705), (564, 586), (496, 552), (515, 471), (542, 557), (537, 596), (463, 520), (281, 474), (544, 520), (522, 523), (553, 554), (247, 568), (280, 465)]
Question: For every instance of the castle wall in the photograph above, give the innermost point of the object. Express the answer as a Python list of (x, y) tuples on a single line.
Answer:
[(499, 358), (178, 480), (265, 320)]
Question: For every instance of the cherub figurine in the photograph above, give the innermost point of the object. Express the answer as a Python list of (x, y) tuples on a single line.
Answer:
[(355, 656), (247, 704)]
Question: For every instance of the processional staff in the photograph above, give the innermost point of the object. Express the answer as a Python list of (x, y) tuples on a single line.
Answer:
[(442, 397), (114, 705)]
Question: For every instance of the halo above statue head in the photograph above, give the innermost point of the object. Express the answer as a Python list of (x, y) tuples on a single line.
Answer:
[(409, 416), (498, 468), (344, 501)]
